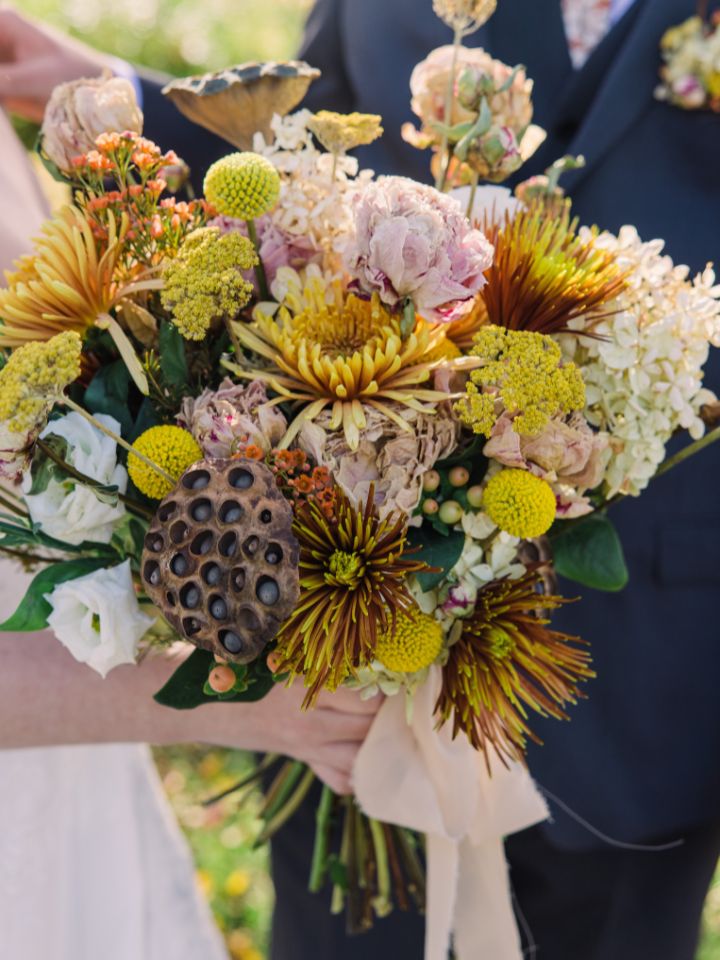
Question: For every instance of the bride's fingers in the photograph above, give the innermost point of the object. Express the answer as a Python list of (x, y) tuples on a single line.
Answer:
[(337, 780), (349, 701), (344, 727)]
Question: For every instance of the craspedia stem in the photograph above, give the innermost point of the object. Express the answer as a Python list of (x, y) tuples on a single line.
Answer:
[(259, 268), (445, 151), (117, 438)]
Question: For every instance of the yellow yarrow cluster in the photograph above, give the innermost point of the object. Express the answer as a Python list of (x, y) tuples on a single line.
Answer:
[(411, 644), (35, 378), (526, 373), (464, 15), (242, 185), (520, 503), (204, 283), (172, 449), (340, 132)]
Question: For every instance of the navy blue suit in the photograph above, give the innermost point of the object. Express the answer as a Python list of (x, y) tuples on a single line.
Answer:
[(640, 758)]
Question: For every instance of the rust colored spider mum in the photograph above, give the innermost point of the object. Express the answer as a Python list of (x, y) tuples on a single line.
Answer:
[(545, 275), (344, 355), (352, 586), (507, 662)]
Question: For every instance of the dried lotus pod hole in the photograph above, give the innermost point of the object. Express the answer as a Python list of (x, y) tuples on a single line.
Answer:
[(220, 559)]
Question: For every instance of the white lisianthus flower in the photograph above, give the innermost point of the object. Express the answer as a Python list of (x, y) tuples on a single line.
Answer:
[(67, 509), (97, 617)]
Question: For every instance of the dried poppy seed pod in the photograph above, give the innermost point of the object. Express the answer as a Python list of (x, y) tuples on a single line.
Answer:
[(220, 559)]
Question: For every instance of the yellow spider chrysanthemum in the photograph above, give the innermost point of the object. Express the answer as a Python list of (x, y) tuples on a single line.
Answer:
[(345, 356), (411, 644), (172, 449), (34, 379), (520, 503), (242, 185), (65, 285)]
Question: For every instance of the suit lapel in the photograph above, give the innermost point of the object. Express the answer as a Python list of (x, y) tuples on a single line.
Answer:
[(628, 89)]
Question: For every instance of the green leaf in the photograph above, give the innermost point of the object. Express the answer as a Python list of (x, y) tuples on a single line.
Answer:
[(437, 550), (34, 609), (43, 469), (147, 417), (590, 553), (173, 362), (108, 393), (185, 689)]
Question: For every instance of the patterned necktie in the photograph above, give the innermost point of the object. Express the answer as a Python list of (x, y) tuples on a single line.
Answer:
[(586, 23)]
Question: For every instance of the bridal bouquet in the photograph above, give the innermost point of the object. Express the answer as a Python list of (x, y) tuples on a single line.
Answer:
[(335, 429)]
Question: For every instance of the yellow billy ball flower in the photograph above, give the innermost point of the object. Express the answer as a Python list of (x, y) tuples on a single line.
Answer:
[(520, 503), (35, 378), (415, 642), (242, 185), (172, 449)]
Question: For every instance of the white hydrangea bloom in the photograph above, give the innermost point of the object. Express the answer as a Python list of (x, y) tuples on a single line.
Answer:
[(644, 378), (312, 203)]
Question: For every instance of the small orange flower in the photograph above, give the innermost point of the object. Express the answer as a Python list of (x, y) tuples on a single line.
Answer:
[(253, 452), (302, 484)]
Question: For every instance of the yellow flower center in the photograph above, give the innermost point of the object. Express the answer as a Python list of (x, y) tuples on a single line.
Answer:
[(520, 503), (414, 642), (171, 448), (502, 644), (345, 569)]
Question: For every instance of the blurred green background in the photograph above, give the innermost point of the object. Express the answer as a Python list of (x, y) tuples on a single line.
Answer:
[(182, 37)]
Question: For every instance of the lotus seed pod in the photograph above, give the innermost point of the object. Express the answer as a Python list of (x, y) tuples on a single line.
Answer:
[(220, 559)]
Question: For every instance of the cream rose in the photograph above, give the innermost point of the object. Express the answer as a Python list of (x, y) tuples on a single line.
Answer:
[(97, 617)]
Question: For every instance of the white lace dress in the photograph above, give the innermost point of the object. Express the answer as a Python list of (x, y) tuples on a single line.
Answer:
[(92, 863)]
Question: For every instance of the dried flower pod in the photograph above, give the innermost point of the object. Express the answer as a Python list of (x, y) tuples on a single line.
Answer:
[(240, 101), (220, 559)]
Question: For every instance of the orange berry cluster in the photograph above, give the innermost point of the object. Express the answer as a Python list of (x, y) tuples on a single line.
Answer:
[(301, 482)]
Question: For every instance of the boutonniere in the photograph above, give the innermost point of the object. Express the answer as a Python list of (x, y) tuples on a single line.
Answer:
[(690, 72)]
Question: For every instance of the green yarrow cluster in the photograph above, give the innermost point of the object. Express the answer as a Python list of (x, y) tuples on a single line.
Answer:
[(35, 378), (525, 371), (204, 283)]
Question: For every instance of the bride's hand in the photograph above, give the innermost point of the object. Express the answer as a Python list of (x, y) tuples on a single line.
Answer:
[(34, 59), (326, 737)]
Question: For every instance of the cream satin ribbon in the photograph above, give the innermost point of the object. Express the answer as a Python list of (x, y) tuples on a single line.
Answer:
[(23, 205), (416, 776)]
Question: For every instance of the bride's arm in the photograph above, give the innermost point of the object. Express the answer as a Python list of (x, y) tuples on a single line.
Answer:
[(48, 698)]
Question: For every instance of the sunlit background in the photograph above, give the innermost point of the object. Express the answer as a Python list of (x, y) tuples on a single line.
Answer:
[(183, 37)]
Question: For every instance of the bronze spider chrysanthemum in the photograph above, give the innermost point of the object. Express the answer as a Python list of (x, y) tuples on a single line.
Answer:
[(545, 275), (352, 584), (507, 660)]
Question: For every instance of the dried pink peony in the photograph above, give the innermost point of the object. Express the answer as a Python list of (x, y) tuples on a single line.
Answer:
[(79, 111), (278, 248), (232, 416), (390, 458), (413, 242)]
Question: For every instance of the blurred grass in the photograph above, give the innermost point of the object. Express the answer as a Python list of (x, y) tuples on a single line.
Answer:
[(232, 875), (181, 37)]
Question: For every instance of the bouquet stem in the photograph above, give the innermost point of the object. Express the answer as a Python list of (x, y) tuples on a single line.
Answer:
[(690, 450), (259, 268), (323, 819)]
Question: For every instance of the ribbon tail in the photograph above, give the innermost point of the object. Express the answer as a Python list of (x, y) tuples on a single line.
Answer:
[(443, 878), (485, 927)]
